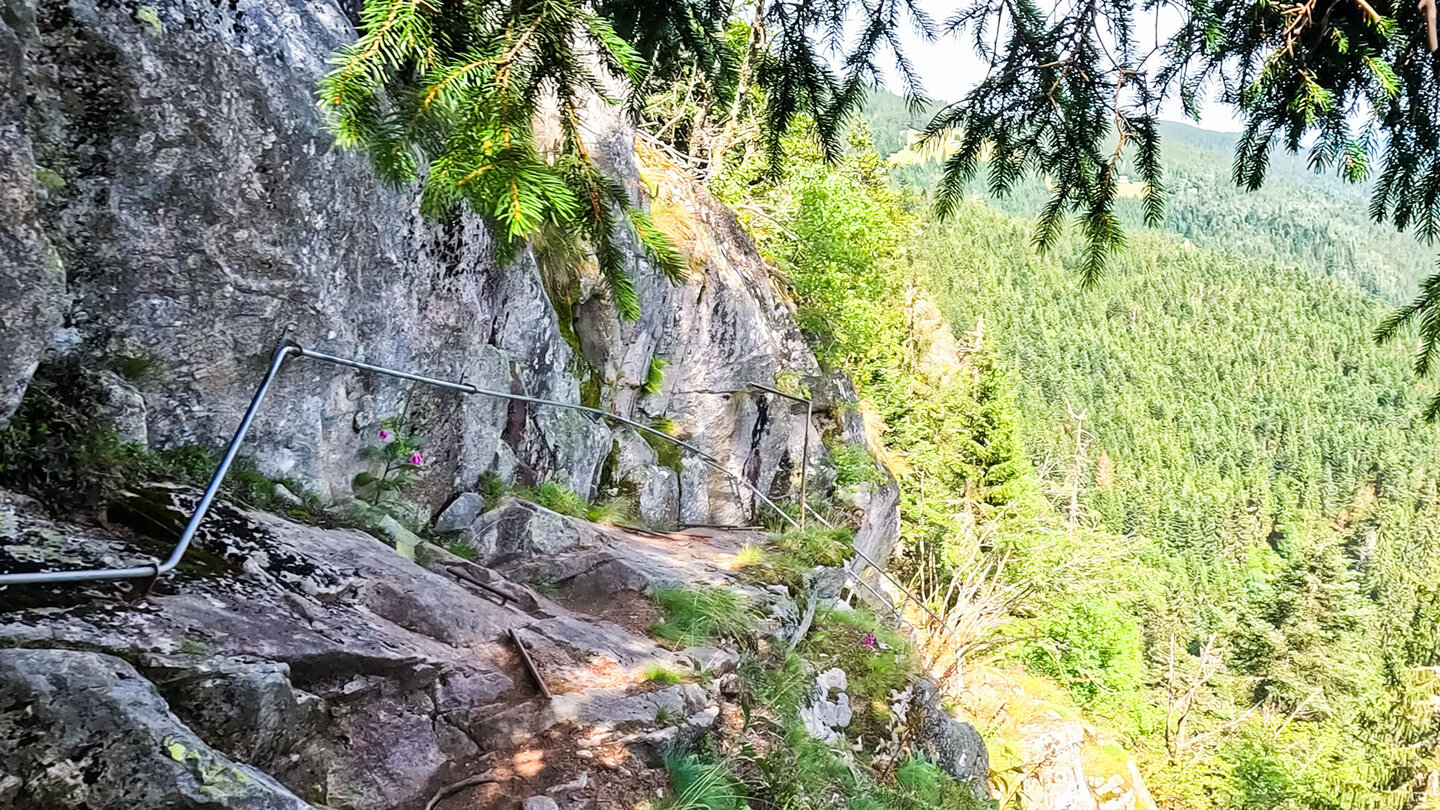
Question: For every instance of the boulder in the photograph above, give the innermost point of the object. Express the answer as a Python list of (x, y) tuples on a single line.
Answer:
[(85, 730), (461, 512), (658, 496), (246, 708), (521, 528), (953, 744), (828, 712)]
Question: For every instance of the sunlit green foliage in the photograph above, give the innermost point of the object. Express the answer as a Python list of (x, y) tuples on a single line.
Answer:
[(1199, 447), (445, 95), (700, 615)]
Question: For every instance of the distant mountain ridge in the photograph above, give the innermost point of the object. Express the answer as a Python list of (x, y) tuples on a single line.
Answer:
[(1312, 220)]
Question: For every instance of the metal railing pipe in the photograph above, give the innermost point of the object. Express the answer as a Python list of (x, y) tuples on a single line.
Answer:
[(285, 351), (282, 353), (288, 349)]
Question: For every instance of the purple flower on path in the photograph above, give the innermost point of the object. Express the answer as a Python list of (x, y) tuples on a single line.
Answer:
[(417, 459), (870, 640), (385, 435)]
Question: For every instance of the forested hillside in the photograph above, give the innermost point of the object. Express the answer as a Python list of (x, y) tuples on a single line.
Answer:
[(690, 460), (1212, 493), (1312, 220)]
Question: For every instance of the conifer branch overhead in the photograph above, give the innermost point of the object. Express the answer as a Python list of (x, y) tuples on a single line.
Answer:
[(1074, 90), (445, 94)]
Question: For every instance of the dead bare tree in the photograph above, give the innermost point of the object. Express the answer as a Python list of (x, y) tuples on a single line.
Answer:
[(1180, 696)]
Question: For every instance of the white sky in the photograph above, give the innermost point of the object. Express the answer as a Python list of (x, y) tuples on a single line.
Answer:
[(950, 67)]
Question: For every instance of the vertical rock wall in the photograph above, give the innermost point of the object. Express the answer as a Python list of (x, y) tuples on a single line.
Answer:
[(169, 156)]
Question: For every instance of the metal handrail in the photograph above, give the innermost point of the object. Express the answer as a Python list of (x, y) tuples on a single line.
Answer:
[(806, 507), (288, 349), (155, 570)]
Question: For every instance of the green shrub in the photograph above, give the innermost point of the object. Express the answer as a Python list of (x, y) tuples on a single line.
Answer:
[(1092, 647), (492, 489), (854, 465)]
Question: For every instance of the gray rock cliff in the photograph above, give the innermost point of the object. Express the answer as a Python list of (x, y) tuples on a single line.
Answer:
[(179, 208)]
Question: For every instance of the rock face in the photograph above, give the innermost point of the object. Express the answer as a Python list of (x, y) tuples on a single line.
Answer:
[(31, 277), (1059, 782), (292, 666), (177, 169), (319, 658), (174, 209), (953, 744), (80, 727), (1050, 760)]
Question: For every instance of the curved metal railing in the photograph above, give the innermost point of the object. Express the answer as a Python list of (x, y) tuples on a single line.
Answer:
[(289, 349)]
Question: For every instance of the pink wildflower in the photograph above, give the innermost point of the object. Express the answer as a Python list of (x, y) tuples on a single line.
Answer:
[(385, 435), (417, 459), (870, 640)]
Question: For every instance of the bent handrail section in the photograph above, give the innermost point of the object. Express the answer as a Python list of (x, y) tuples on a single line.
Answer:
[(288, 349)]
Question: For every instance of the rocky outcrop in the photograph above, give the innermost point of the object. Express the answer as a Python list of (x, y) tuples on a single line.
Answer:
[(1050, 758), (317, 659), (953, 744), (174, 158), (31, 277), (288, 666), (828, 712), (84, 729)]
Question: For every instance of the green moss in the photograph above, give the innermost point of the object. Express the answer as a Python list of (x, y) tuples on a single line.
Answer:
[(151, 17), (655, 375), (590, 388), (48, 180), (194, 648), (761, 567), (667, 453)]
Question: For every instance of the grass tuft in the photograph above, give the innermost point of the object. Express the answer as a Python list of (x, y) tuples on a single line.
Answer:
[(611, 511), (700, 614), (700, 783), (556, 497), (817, 546), (659, 673), (463, 550)]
